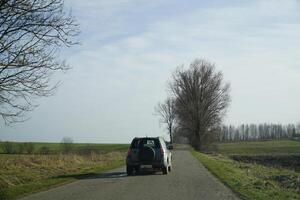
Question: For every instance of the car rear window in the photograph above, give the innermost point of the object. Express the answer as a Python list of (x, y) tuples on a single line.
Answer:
[(140, 143)]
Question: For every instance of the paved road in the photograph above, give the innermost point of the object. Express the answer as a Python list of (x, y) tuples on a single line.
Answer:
[(188, 180)]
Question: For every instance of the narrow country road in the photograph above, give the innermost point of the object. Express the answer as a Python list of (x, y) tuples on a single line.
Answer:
[(188, 180)]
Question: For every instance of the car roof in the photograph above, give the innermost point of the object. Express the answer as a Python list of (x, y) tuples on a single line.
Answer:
[(148, 138)]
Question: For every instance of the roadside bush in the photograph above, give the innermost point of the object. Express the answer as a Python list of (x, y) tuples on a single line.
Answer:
[(44, 150), (20, 148), (28, 147), (8, 148)]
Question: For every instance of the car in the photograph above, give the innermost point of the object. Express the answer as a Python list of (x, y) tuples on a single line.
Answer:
[(149, 151)]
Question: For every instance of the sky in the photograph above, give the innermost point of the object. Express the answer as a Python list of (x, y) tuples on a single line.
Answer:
[(129, 49)]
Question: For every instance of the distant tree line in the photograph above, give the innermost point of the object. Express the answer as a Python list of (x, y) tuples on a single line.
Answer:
[(264, 131)]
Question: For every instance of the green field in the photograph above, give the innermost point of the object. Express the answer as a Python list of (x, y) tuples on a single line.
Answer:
[(259, 170), (57, 147), (21, 174), (258, 147)]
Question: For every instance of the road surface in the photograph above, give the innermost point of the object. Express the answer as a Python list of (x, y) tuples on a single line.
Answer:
[(188, 180)]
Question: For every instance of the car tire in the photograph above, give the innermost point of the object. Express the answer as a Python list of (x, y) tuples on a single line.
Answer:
[(129, 170), (165, 170), (170, 168), (137, 169)]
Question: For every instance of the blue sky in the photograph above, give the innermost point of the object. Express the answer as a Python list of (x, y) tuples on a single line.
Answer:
[(129, 49)]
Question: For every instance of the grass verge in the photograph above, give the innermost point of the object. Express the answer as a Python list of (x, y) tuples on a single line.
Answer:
[(24, 174), (252, 181)]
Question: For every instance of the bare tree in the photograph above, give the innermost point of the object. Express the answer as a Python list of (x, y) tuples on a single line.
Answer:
[(67, 145), (32, 32), (201, 99), (166, 111)]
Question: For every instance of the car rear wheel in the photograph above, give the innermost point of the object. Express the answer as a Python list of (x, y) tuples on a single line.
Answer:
[(129, 170), (165, 170), (137, 168)]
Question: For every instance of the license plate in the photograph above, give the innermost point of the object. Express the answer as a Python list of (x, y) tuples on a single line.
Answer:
[(147, 166)]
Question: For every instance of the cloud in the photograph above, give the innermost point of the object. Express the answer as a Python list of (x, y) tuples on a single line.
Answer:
[(243, 40)]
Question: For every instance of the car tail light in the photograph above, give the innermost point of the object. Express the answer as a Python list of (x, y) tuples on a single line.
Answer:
[(162, 151), (129, 152)]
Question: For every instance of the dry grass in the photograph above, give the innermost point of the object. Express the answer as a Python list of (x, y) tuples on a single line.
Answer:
[(22, 170)]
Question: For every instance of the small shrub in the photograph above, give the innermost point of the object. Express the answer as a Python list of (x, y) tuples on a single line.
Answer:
[(8, 147), (28, 147), (44, 150), (20, 148)]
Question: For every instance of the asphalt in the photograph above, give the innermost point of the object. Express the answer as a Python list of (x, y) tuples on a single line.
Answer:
[(188, 180)]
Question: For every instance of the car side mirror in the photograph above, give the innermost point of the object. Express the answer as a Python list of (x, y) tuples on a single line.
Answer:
[(170, 147)]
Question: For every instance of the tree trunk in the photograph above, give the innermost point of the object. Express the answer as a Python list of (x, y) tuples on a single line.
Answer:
[(170, 132), (196, 141)]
